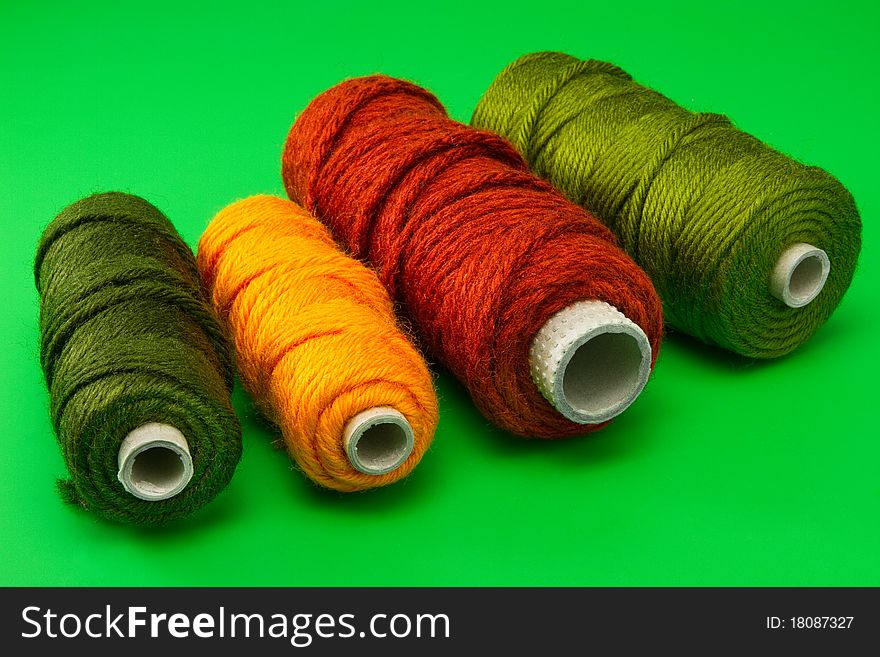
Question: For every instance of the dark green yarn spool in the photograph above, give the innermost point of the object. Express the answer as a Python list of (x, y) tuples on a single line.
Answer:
[(128, 338), (707, 210)]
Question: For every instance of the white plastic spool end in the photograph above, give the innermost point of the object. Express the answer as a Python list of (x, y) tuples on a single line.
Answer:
[(378, 440), (154, 462), (590, 361), (799, 274)]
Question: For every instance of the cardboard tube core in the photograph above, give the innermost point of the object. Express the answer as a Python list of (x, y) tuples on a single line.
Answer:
[(590, 361), (799, 274), (378, 440), (154, 462)]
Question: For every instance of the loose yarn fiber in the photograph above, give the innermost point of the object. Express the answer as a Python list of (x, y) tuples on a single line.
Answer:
[(705, 208), (478, 251), (315, 334), (127, 338)]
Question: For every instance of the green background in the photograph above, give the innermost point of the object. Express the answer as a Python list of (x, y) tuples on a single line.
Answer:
[(725, 471)]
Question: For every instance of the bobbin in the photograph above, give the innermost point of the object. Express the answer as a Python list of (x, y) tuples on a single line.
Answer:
[(737, 236), (378, 440), (799, 274), (154, 462), (590, 361)]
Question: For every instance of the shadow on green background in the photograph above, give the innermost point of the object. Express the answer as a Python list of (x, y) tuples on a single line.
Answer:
[(724, 472)]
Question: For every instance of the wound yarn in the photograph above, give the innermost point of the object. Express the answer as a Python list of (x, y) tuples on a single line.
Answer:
[(749, 249), (133, 357), (480, 253), (318, 345)]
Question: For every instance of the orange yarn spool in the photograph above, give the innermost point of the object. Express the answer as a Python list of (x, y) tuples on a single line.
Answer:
[(318, 345)]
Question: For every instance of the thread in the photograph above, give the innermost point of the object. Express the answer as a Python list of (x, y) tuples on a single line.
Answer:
[(711, 213), (479, 252), (138, 371), (318, 345)]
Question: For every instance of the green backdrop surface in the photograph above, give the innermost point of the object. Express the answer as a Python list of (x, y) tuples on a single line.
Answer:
[(725, 471)]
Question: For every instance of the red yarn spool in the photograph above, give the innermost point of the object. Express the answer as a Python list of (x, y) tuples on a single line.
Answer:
[(479, 252)]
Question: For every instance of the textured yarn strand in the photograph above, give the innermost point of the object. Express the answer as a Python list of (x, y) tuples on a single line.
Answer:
[(316, 337), (479, 252), (128, 340), (708, 210)]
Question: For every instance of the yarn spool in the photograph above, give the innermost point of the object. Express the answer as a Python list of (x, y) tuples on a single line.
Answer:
[(318, 345), (521, 294), (138, 371), (749, 249)]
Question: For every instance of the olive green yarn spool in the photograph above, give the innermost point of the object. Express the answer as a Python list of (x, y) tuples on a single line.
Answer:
[(138, 370), (748, 249)]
